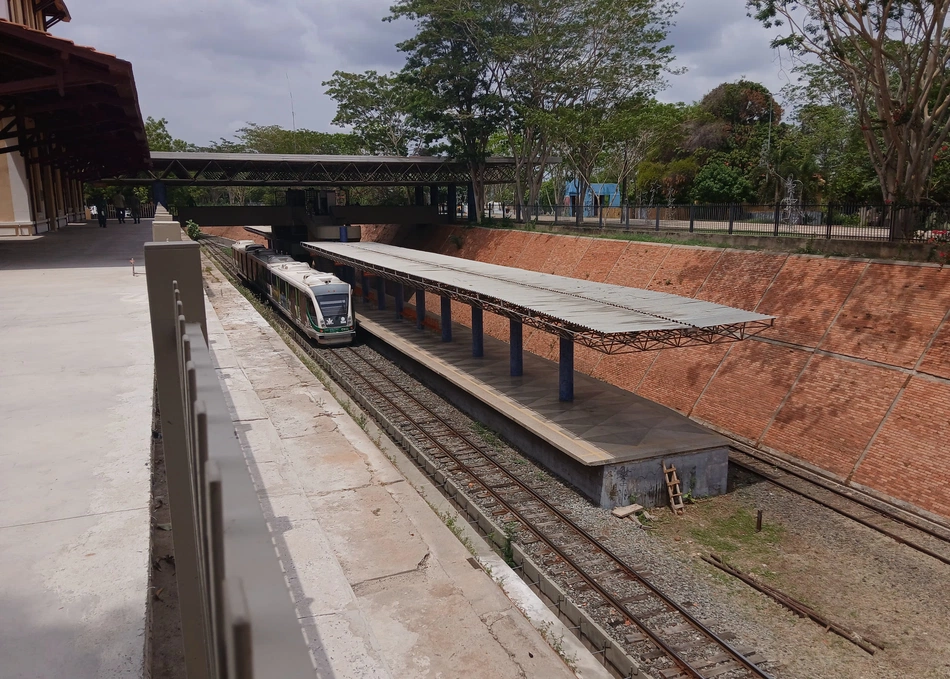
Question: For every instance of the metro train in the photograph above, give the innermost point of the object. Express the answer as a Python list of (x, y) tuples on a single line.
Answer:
[(318, 303)]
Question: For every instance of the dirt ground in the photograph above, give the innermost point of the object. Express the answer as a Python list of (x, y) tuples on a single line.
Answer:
[(166, 655), (234, 233), (850, 574)]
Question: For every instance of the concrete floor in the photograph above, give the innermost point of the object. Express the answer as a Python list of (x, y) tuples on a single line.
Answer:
[(382, 587), (75, 421)]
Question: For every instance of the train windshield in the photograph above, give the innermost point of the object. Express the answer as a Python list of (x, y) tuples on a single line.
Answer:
[(333, 305)]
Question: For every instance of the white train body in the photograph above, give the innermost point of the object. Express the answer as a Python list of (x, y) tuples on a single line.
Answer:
[(318, 303)]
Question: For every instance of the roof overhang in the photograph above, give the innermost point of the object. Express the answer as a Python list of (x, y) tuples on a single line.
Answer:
[(613, 319), (53, 11), (68, 106)]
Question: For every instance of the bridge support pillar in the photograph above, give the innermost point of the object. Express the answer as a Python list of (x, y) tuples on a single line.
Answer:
[(566, 370), (478, 333), (364, 285), (420, 196), (472, 207), (515, 336), (160, 194), (380, 293), (434, 195), (446, 319), (397, 297), (420, 308), (452, 202)]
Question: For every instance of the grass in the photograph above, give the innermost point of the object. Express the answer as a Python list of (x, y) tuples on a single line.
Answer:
[(735, 533)]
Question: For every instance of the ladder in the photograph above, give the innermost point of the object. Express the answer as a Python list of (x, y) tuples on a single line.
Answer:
[(673, 488)]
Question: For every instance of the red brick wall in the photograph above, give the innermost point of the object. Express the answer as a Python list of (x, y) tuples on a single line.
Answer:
[(853, 379)]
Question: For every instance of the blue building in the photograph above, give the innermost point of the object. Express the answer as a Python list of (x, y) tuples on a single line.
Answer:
[(608, 197)]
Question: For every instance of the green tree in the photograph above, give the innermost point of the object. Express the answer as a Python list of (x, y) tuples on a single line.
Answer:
[(160, 139), (720, 182), (893, 56), (274, 139), (376, 107)]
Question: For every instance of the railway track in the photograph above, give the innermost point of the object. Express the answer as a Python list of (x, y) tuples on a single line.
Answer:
[(666, 639), (669, 642)]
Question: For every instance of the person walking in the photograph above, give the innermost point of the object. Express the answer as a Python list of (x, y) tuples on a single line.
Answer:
[(135, 207), (102, 210), (118, 200)]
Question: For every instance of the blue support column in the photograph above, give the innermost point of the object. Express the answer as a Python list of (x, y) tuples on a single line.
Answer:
[(451, 203), (566, 372), (160, 194), (420, 196), (472, 207), (397, 295), (380, 293), (364, 283), (343, 233), (434, 196), (420, 308), (515, 339), (478, 333), (446, 319)]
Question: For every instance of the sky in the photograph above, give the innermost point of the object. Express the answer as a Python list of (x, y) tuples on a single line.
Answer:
[(209, 66)]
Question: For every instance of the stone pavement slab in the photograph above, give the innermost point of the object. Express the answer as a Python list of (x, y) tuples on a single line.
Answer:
[(76, 373), (382, 587)]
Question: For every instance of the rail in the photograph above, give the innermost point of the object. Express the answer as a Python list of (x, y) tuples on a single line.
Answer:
[(237, 617)]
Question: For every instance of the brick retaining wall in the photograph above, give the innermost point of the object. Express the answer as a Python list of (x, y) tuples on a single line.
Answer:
[(854, 379)]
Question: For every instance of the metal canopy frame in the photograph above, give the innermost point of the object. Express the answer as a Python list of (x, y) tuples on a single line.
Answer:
[(734, 325), (258, 169)]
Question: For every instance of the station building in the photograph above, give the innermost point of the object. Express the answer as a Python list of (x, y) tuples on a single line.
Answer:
[(68, 114)]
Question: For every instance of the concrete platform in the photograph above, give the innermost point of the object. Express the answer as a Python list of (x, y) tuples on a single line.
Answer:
[(381, 585), (608, 442), (76, 373)]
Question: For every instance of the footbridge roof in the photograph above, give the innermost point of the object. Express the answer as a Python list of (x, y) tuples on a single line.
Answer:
[(608, 318)]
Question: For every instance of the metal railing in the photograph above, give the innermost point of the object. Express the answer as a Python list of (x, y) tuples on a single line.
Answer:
[(919, 223), (237, 617)]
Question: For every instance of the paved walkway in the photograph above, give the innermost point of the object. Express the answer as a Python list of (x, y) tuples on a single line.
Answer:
[(75, 420), (382, 587)]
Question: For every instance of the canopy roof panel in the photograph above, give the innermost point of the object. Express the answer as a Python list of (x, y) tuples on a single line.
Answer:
[(608, 318)]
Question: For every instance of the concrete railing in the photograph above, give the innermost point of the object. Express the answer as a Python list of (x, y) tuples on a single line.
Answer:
[(165, 228), (237, 617)]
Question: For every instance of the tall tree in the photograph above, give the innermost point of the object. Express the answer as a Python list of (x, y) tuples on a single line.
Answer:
[(254, 138), (893, 56), (448, 82), (376, 107), (160, 139)]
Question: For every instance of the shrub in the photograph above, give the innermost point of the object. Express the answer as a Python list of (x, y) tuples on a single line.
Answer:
[(192, 229)]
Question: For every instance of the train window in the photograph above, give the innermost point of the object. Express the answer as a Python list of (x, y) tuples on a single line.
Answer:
[(333, 305)]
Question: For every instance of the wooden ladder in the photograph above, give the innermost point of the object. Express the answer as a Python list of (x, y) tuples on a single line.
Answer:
[(673, 488)]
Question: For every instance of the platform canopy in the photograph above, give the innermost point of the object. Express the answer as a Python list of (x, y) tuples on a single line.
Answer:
[(68, 106), (262, 169), (613, 319)]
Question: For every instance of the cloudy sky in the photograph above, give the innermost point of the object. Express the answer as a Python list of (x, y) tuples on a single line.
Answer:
[(210, 65)]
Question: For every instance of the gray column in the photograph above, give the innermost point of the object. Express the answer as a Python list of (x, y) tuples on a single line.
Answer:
[(478, 333), (364, 284), (515, 339), (420, 308), (566, 370), (397, 295), (446, 319)]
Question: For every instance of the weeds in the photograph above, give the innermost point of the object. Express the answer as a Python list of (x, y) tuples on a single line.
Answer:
[(557, 643)]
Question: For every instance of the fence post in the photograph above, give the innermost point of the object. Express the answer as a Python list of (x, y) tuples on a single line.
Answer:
[(691, 216), (776, 219), (555, 213), (828, 227), (732, 214), (600, 215), (165, 263)]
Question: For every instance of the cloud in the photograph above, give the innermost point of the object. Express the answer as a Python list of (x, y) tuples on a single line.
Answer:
[(210, 65)]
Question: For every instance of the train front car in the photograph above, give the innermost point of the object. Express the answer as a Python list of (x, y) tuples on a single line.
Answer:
[(333, 323)]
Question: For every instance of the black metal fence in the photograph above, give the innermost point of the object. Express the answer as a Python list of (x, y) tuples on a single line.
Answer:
[(919, 223)]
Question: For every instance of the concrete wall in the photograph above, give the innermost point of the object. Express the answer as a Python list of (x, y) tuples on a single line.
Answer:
[(228, 215), (854, 379)]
